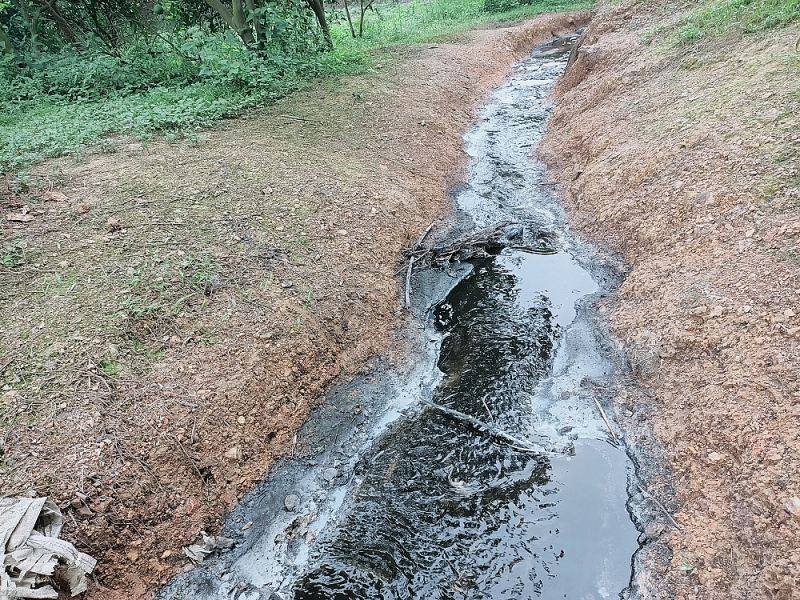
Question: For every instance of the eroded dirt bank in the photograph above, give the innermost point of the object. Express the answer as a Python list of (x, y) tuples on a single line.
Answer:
[(685, 159), (171, 315)]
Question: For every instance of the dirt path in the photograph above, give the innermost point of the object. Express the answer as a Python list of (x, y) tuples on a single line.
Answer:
[(172, 313), (686, 160)]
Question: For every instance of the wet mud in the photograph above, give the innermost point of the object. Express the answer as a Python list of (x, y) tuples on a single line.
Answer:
[(392, 497)]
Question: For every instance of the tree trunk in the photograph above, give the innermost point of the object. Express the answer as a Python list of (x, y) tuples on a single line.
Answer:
[(7, 46), (349, 20), (244, 30), (64, 27), (235, 19), (364, 10), (318, 8), (257, 28)]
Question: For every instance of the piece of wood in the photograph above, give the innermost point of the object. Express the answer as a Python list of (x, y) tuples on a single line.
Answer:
[(605, 418), (423, 236), (408, 282), (514, 442)]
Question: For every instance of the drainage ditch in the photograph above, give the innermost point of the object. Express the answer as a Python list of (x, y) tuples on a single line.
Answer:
[(488, 468)]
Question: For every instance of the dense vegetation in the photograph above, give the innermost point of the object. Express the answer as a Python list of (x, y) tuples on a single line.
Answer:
[(79, 72)]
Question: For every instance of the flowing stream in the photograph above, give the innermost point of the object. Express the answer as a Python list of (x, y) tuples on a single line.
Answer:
[(398, 499)]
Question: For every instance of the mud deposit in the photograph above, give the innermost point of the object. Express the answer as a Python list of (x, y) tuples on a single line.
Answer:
[(392, 497)]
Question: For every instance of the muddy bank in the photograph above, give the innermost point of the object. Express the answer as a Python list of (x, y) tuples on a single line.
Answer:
[(685, 159), (159, 362)]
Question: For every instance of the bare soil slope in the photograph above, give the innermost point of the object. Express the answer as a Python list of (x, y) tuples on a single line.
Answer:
[(170, 314), (685, 159)]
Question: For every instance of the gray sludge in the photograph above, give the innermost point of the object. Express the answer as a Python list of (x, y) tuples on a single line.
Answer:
[(398, 500)]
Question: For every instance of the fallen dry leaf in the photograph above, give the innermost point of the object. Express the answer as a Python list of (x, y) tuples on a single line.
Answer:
[(20, 217), (53, 196)]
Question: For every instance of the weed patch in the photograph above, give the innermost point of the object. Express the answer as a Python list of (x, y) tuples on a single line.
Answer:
[(748, 16)]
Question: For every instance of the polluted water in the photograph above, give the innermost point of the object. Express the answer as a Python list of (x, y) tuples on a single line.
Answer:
[(489, 470)]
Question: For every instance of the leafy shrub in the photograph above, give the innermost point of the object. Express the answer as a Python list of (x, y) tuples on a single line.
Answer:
[(504, 5)]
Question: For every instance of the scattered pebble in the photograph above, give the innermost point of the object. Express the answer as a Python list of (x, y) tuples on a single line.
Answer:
[(291, 502)]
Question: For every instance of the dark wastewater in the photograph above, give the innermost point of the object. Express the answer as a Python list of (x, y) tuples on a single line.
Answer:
[(406, 500), (442, 510)]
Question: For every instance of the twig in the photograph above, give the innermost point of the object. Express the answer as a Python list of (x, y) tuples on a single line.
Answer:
[(423, 236), (189, 458), (294, 446), (605, 418), (125, 452), (659, 505), (515, 442), (285, 116), (408, 281), (486, 406)]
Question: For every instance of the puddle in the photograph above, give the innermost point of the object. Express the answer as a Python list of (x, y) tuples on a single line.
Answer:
[(398, 499)]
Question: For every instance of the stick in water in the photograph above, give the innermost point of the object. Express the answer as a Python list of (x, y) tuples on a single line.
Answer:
[(605, 418), (515, 442), (408, 281)]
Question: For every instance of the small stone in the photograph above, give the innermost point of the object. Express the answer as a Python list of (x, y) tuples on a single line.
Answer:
[(330, 474), (792, 506), (291, 502), (788, 313), (241, 420), (565, 429), (191, 505), (715, 457), (166, 554), (653, 530), (133, 556), (113, 225), (342, 232), (286, 285), (234, 453)]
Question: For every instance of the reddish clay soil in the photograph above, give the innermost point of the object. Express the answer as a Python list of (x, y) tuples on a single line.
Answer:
[(172, 315), (685, 160)]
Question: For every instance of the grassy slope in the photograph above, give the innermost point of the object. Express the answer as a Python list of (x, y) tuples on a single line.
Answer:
[(32, 131)]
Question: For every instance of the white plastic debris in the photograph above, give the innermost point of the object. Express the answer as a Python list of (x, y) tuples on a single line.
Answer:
[(197, 552), (29, 530)]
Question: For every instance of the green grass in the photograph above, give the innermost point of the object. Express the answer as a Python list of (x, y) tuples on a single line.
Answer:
[(32, 130), (748, 16), (425, 20)]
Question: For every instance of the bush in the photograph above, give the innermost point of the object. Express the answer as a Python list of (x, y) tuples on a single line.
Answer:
[(504, 5)]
